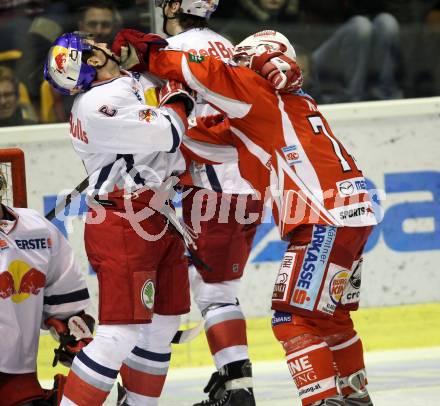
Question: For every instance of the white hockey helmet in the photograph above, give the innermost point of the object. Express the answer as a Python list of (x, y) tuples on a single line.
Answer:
[(199, 8), (263, 41)]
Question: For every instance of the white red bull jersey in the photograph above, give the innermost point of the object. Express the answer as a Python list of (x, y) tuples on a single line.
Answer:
[(124, 142), (283, 142), (38, 278), (220, 178)]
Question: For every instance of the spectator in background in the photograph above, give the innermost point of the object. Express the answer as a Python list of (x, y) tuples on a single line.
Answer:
[(351, 48), (425, 73), (248, 16), (35, 41), (360, 58), (11, 111), (16, 18), (270, 10), (101, 19)]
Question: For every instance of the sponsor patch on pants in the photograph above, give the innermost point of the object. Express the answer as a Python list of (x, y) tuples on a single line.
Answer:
[(283, 278), (334, 286)]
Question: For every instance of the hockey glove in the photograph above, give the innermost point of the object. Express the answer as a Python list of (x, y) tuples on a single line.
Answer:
[(134, 47), (173, 91), (283, 72), (73, 334)]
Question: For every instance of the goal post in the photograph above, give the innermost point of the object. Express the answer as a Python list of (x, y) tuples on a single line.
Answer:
[(12, 166)]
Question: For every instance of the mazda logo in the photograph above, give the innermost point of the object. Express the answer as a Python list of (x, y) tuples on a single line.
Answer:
[(346, 188)]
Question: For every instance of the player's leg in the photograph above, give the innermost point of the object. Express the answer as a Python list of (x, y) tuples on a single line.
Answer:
[(317, 336), (225, 328), (224, 244), (145, 370), (127, 277), (95, 368)]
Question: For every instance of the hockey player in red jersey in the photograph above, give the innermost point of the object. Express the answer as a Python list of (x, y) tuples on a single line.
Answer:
[(129, 148), (40, 285), (321, 205)]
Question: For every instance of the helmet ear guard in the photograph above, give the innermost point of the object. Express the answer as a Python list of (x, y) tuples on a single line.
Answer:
[(65, 68)]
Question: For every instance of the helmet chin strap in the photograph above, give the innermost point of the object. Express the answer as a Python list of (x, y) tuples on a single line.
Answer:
[(107, 57), (165, 20)]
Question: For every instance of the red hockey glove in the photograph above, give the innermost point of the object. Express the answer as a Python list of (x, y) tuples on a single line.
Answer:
[(73, 334), (173, 91), (283, 72), (133, 47)]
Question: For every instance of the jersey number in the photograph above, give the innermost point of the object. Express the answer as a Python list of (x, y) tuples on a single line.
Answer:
[(319, 128)]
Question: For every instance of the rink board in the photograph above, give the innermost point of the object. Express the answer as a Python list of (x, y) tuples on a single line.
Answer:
[(395, 142)]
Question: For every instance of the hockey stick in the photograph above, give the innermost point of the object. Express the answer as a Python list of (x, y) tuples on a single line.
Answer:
[(61, 206), (185, 336), (169, 214)]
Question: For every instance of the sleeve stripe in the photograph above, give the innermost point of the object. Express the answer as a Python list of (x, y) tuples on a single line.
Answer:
[(75, 296), (213, 179), (176, 137), (104, 174), (129, 161)]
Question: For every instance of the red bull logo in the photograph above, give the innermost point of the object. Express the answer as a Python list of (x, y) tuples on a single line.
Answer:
[(147, 115), (60, 57), (20, 281)]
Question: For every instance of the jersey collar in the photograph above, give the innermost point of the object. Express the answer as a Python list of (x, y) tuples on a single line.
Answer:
[(103, 82)]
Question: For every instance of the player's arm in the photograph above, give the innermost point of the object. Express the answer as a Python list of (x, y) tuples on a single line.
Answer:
[(222, 85), (210, 141), (65, 292), (125, 127), (66, 298)]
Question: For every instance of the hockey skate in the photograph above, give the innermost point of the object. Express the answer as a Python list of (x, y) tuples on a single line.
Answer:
[(333, 401), (360, 397), (231, 386), (356, 400)]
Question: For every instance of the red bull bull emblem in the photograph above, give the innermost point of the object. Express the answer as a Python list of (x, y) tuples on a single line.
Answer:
[(20, 281), (60, 57), (147, 115)]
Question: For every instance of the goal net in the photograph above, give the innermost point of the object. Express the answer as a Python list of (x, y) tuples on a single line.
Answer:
[(13, 170)]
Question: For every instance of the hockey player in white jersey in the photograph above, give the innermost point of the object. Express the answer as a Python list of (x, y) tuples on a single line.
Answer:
[(225, 247), (128, 147), (40, 285)]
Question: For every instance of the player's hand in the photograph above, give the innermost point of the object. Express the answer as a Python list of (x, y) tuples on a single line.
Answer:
[(173, 91), (133, 47), (283, 72), (73, 335), (212, 120)]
